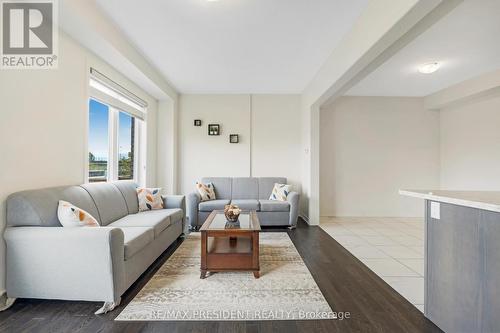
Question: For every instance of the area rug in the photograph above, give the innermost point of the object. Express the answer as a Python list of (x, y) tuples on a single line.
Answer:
[(285, 291)]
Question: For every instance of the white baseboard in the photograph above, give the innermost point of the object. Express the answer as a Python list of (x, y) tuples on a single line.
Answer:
[(308, 221), (305, 218)]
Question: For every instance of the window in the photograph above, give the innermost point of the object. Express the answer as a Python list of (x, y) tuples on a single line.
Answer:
[(126, 136), (115, 122), (98, 141)]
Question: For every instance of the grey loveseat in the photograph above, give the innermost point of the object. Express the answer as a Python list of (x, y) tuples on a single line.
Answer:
[(46, 260), (249, 194)]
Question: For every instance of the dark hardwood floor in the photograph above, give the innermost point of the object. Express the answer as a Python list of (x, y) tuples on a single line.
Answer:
[(346, 283)]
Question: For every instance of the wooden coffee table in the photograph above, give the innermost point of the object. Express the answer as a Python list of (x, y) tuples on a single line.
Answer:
[(227, 246)]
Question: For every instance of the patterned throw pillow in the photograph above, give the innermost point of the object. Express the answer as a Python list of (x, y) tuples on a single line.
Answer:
[(280, 192), (149, 198), (72, 216), (206, 191)]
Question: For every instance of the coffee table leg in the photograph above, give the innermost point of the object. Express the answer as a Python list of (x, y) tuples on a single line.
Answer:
[(255, 259), (203, 268)]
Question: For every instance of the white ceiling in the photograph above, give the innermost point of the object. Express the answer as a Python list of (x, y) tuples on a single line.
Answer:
[(466, 41), (235, 46)]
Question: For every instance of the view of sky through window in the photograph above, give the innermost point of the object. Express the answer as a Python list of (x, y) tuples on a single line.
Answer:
[(125, 134), (98, 130)]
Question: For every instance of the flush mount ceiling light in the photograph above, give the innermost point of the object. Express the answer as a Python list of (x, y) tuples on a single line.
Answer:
[(429, 67)]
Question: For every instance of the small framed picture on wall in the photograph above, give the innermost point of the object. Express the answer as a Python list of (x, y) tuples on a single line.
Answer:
[(197, 122), (213, 129), (234, 138)]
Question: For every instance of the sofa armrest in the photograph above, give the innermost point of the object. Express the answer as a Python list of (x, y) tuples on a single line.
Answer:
[(193, 201), (176, 201), (65, 263), (293, 199)]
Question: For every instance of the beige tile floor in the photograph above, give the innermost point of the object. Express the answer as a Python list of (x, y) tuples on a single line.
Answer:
[(391, 247)]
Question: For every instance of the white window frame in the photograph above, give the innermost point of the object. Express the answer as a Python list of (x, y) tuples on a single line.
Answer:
[(118, 99), (113, 143)]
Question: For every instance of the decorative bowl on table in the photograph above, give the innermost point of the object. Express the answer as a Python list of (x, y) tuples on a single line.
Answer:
[(232, 213)]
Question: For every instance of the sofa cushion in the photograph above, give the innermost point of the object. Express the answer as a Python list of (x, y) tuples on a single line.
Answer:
[(176, 214), (266, 185), (128, 190), (39, 207), (208, 206), (222, 186), (274, 218), (136, 238), (246, 204), (245, 188), (109, 201), (159, 220), (274, 206)]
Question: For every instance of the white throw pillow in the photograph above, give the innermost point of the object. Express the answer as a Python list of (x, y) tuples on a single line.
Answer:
[(280, 192), (206, 191), (71, 216), (149, 198)]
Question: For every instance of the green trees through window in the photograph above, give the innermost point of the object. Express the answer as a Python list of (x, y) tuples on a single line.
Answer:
[(126, 137)]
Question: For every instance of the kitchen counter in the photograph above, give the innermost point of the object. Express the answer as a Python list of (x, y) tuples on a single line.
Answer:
[(462, 259), (487, 200)]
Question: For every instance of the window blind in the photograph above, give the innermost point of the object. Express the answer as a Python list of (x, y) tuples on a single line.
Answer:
[(108, 91)]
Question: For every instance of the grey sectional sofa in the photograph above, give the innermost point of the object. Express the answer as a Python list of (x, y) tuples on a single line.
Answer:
[(46, 260), (249, 194)]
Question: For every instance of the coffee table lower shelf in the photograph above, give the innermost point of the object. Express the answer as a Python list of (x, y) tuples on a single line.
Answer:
[(226, 254), (230, 253)]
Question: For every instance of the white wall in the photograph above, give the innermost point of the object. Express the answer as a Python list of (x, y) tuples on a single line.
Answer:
[(167, 125), (376, 34), (370, 148), (43, 125), (276, 141), (470, 145), (203, 155), (269, 130)]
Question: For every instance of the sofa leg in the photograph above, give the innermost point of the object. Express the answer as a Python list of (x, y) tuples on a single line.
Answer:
[(108, 306), (6, 302), (292, 227)]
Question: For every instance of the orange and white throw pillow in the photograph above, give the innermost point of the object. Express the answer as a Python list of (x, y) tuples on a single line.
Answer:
[(206, 191), (71, 216), (280, 192), (149, 198)]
